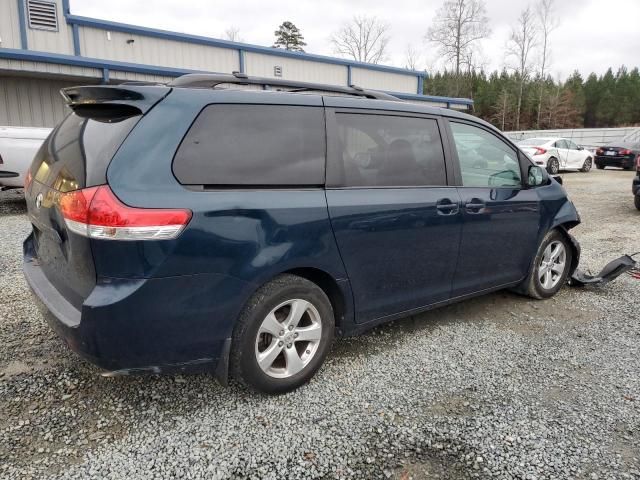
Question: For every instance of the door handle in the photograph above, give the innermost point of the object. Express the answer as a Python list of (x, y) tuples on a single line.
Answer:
[(475, 205), (446, 207)]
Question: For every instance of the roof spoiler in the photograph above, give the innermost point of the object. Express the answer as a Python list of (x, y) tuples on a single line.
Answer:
[(112, 102)]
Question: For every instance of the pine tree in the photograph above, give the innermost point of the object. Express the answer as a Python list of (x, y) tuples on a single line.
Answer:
[(289, 37), (609, 100)]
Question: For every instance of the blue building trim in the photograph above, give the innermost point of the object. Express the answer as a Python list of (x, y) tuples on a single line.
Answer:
[(107, 65), (22, 18), (241, 60), (76, 39), (75, 28), (213, 42)]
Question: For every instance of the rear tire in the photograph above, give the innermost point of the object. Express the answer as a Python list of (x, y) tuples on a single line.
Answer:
[(586, 166), (636, 201), (553, 166), (282, 336), (599, 167), (550, 267)]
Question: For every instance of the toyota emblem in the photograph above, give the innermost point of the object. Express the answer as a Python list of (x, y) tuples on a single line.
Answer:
[(39, 201)]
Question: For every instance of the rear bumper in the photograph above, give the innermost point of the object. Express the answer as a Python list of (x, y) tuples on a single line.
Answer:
[(136, 325), (622, 162)]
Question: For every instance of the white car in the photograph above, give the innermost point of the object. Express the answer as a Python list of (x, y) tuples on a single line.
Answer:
[(18, 146), (557, 154)]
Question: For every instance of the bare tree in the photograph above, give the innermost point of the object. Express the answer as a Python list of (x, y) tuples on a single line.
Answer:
[(412, 58), (364, 39), (458, 27), (501, 109), (548, 23), (520, 45), (232, 34)]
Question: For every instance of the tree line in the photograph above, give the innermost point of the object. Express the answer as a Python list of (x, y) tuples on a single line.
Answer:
[(608, 100), (523, 95)]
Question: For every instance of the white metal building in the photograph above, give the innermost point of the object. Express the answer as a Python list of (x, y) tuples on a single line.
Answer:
[(44, 47)]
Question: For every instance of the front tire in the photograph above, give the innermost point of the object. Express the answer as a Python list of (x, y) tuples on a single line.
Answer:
[(586, 166), (599, 167), (553, 166), (550, 267), (282, 336), (636, 201)]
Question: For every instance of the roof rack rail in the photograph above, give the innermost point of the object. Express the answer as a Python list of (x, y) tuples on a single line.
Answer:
[(211, 80)]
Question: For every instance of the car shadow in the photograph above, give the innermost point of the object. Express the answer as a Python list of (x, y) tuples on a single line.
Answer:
[(12, 202)]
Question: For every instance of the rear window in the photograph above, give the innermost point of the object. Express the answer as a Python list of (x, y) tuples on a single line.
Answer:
[(271, 145), (78, 152)]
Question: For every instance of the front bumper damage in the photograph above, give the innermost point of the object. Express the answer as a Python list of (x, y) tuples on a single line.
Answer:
[(611, 271)]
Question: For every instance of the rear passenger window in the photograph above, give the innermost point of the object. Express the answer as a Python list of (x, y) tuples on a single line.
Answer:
[(389, 151), (253, 145), (485, 160)]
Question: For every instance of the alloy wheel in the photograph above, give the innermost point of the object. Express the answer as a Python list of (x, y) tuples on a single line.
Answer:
[(552, 265), (587, 165), (288, 338)]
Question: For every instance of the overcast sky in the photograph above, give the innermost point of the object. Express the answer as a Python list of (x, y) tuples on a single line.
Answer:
[(593, 34)]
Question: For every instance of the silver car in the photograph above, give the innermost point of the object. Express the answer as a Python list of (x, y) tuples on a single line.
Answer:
[(18, 146)]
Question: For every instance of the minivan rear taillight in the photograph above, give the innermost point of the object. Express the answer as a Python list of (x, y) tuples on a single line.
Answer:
[(625, 151), (97, 213)]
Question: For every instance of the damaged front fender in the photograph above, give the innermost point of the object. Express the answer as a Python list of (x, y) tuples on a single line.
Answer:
[(567, 216), (565, 219)]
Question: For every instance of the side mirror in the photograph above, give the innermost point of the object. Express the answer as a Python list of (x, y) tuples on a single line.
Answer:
[(536, 176), (580, 147)]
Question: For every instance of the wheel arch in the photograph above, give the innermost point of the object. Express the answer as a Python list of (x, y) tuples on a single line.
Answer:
[(338, 291), (573, 243), (566, 218)]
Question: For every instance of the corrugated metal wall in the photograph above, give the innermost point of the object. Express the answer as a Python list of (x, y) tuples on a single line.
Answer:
[(51, 41), (31, 102), (19, 67), (261, 65), (137, 77), (9, 24), (586, 137), (394, 82), (95, 43)]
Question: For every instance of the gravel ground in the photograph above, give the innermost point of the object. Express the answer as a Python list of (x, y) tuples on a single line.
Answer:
[(499, 386)]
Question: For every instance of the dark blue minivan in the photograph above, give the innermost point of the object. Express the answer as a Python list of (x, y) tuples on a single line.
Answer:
[(237, 225)]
